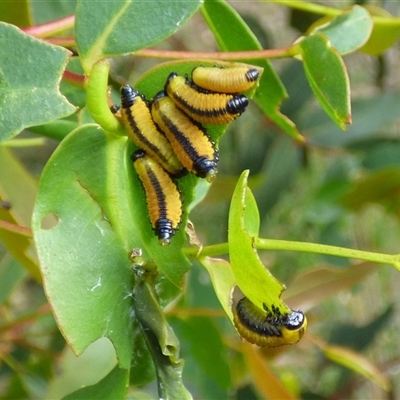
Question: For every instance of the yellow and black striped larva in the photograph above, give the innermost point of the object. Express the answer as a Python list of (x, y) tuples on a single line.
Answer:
[(136, 117), (225, 80), (203, 106), (163, 197), (268, 328), (192, 145)]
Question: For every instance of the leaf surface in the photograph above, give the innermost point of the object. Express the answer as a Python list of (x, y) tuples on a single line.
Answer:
[(30, 71)]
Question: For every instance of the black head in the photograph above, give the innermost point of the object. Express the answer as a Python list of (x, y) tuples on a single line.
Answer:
[(164, 231), (128, 95), (237, 104)]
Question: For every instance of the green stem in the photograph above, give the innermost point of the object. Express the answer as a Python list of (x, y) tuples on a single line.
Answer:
[(31, 142), (308, 7), (96, 97), (332, 12), (270, 244), (208, 251), (51, 28), (285, 245)]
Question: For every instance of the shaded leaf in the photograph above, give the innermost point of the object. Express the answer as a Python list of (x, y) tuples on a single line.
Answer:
[(309, 289), (382, 186), (32, 98), (360, 337), (264, 379)]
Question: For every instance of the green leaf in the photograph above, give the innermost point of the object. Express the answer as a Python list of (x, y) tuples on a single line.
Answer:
[(108, 28), (253, 278), (111, 387), (18, 188), (349, 31), (327, 76), (84, 253), (30, 71), (232, 34), (222, 279), (89, 187)]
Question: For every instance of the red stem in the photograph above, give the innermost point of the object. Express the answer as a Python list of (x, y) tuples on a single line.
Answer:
[(50, 28)]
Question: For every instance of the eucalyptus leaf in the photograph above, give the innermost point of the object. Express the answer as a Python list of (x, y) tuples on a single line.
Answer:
[(327, 76), (32, 98), (253, 278), (348, 31), (108, 28)]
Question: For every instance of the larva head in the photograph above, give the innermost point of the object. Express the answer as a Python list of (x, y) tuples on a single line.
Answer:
[(128, 95), (252, 75), (295, 320), (171, 76), (138, 154), (164, 231), (206, 168), (237, 104), (159, 96)]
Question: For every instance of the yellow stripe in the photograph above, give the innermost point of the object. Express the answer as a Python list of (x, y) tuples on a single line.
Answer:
[(136, 117), (163, 198), (204, 107), (190, 142)]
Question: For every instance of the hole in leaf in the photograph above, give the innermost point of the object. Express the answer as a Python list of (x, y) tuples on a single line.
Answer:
[(50, 221)]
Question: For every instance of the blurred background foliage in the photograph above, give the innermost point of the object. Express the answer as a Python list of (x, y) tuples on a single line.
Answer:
[(339, 188)]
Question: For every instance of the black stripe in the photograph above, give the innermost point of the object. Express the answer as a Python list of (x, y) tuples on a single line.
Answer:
[(161, 197), (135, 128)]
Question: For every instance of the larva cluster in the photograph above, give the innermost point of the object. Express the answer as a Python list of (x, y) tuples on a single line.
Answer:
[(172, 140)]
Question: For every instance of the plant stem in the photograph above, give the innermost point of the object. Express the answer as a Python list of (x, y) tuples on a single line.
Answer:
[(285, 245), (309, 7), (51, 28), (218, 55), (30, 142), (270, 244), (332, 12)]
